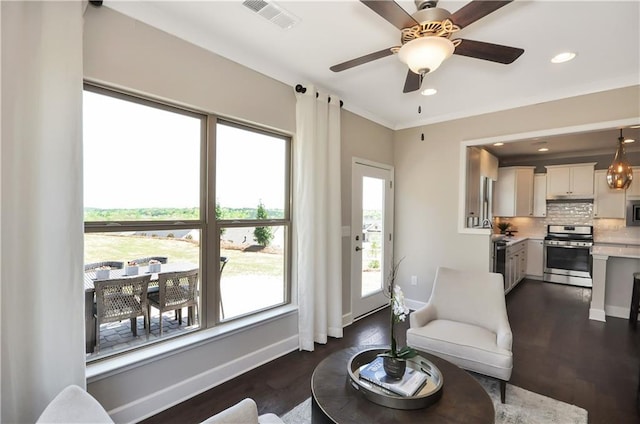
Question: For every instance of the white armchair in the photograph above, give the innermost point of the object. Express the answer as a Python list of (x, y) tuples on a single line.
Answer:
[(465, 322), (243, 412), (75, 405)]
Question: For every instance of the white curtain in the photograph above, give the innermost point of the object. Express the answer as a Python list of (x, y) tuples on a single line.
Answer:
[(41, 226), (317, 217)]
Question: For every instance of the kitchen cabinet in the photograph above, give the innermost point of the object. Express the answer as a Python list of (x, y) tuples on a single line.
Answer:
[(514, 191), (515, 265), (534, 258), (570, 181), (633, 192), (540, 195), (607, 202)]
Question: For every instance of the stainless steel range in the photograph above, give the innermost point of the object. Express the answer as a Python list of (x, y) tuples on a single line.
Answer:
[(566, 255)]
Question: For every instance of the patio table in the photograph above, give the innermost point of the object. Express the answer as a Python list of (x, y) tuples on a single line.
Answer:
[(89, 291)]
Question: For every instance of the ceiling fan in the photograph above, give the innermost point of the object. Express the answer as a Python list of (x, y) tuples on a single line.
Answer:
[(426, 37)]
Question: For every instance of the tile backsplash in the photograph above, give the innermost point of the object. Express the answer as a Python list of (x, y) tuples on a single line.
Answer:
[(575, 213)]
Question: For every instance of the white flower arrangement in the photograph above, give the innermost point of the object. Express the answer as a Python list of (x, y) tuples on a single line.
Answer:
[(400, 310)]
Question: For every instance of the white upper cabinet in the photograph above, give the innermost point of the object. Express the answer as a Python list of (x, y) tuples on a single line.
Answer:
[(634, 189), (514, 191), (570, 181), (540, 195), (607, 202)]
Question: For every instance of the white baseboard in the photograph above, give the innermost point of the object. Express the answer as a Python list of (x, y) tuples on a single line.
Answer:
[(169, 396), (597, 315), (347, 319), (617, 311)]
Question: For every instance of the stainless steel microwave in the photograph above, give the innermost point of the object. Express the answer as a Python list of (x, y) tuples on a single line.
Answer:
[(633, 213)]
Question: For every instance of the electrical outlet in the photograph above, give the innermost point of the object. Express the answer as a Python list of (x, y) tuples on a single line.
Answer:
[(414, 280)]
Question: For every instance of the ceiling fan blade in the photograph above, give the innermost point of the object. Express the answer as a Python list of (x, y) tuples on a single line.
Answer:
[(361, 60), (392, 12), (413, 82), (488, 51), (474, 10)]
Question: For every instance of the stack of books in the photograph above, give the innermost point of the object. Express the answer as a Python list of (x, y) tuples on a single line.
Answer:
[(408, 385)]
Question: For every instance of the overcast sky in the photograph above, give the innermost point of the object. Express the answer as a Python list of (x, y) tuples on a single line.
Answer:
[(136, 156)]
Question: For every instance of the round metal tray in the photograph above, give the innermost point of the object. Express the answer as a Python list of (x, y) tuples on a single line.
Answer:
[(428, 395)]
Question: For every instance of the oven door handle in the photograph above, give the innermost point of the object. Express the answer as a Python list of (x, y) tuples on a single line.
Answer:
[(567, 247)]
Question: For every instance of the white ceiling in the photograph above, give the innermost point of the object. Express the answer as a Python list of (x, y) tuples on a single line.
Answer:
[(604, 34)]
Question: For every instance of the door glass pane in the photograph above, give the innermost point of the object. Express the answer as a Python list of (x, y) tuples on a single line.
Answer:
[(372, 233)]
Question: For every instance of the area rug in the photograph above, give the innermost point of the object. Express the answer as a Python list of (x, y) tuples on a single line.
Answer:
[(522, 407)]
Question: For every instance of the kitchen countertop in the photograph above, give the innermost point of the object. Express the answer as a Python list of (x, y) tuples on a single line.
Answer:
[(616, 251), (514, 240), (619, 242)]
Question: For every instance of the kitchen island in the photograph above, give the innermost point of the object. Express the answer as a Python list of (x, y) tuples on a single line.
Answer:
[(613, 268)]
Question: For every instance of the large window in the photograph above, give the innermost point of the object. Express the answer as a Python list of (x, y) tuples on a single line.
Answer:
[(147, 186), (252, 208)]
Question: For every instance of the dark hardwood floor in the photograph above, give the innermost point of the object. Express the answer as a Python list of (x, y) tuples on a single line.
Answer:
[(558, 352)]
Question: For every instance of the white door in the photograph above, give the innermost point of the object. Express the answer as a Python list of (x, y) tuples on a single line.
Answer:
[(371, 235)]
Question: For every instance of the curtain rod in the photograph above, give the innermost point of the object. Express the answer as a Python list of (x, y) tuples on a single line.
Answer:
[(301, 89)]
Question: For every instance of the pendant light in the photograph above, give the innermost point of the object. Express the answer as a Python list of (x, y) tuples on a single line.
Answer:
[(619, 174)]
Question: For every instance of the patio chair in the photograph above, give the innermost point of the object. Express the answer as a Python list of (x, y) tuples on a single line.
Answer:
[(145, 261), (120, 299), (95, 265), (223, 263), (176, 290)]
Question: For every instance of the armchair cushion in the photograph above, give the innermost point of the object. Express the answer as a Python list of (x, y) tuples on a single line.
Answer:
[(468, 346), (466, 323)]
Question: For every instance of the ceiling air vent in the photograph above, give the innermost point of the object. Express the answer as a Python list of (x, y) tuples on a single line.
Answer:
[(272, 12)]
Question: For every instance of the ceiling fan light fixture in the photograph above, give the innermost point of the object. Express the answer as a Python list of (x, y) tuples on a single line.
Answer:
[(425, 54), (619, 174), (428, 91)]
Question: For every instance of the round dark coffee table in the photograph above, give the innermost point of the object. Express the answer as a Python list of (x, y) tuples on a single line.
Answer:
[(333, 399)]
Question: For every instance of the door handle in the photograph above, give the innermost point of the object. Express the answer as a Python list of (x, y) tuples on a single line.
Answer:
[(358, 248)]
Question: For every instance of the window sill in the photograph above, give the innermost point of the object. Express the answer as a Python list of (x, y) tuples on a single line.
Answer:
[(121, 363)]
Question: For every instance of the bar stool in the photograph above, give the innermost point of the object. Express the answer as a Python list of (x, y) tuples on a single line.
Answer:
[(635, 301)]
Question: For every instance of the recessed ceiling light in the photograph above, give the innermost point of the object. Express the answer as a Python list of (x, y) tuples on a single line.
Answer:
[(629, 140), (543, 149), (428, 91), (498, 144), (563, 57)]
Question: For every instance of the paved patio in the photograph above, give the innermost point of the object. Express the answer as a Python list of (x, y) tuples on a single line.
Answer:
[(117, 336)]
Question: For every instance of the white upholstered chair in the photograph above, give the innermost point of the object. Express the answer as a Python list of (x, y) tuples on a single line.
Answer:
[(243, 412), (465, 322), (74, 405)]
